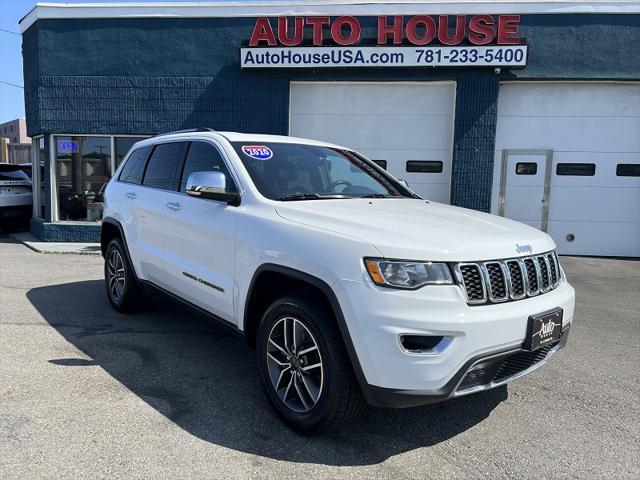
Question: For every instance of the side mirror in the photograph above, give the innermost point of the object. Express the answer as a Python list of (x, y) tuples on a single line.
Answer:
[(212, 186)]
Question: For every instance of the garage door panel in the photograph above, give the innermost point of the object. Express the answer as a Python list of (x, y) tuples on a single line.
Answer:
[(575, 134), (343, 130), (396, 122), (596, 204), (577, 99), (610, 239), (372, 99), (594, 124)]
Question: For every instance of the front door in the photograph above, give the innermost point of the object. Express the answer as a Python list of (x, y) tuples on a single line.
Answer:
[(199, 244), (524, 187)]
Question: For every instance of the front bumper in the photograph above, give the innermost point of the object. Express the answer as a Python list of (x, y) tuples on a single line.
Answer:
[(388, 397), (391, 376)]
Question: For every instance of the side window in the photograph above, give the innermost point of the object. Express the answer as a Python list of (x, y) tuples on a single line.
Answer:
[(134, 168), (203, 157), (576, 169), (163, 166)]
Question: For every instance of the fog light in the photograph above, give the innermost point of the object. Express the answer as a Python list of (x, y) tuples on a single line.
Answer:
[(420, 343)]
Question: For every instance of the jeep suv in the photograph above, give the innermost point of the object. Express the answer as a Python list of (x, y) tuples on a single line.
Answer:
[(350, 287)]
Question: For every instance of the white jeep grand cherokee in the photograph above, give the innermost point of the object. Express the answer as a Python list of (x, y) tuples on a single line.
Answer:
[(349, 286)]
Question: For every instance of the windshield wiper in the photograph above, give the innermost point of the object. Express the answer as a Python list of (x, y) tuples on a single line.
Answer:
[(310, 196), (378, 195)]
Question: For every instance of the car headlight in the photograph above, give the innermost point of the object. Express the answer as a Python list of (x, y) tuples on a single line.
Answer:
[(410, 275)]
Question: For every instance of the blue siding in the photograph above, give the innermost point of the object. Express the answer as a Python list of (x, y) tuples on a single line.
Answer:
[(145, 76)]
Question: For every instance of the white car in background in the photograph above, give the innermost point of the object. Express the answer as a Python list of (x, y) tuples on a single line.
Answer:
[(16, 197), (349, 286)]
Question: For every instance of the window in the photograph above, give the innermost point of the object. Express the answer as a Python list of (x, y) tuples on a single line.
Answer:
[(576, 169), (380, 163), (420, 166), (203, 157), (162, 168), (526, 168), (134, 168), (83, 166), (628, 170), (123, 145)]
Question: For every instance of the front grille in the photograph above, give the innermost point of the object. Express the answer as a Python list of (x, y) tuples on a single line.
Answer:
[(473, 283), (497, 282), (517, 279), (519, 362), (498, 369), (511, 279)]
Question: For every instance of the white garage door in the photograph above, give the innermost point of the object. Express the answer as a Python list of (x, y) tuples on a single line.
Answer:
[(407, 125), (567, 160)]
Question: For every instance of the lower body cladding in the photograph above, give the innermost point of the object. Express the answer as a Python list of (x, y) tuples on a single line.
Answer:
[(465, 349)]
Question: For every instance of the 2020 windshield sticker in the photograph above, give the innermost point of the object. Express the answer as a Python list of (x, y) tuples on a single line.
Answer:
[(257, 152)]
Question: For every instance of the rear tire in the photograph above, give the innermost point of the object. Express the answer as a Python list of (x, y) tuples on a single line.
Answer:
[(123, 290), (309, 381)]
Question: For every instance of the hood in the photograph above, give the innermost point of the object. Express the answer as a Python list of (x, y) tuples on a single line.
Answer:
[(419, 230)]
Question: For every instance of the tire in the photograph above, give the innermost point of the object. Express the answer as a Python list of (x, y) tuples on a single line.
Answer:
[(123, 290), (319, 399)]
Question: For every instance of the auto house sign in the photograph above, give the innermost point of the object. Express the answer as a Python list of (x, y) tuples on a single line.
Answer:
[(418, 41)]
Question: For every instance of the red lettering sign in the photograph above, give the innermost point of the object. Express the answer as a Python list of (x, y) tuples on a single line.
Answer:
[(418, 30)]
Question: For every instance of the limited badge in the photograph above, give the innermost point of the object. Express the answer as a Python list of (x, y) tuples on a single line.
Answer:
[(258, 152)]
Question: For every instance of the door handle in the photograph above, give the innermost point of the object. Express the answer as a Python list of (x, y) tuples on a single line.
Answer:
[(175, 206), (130, 195)]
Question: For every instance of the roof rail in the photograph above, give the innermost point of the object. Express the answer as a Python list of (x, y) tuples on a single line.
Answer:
[(188, 130)]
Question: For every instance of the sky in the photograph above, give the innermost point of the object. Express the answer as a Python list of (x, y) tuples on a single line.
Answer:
[(12, 96)]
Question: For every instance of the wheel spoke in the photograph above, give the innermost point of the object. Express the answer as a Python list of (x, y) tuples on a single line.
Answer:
[(311, 367), (314, 398), (282, 372), (307, 350), (300, 394), (282, 364), (293, 335), (286, 392), (284, 352)]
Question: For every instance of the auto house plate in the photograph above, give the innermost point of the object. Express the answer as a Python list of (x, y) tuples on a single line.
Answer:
[(543, 329)]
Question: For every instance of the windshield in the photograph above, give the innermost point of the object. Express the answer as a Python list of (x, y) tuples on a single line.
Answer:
[(291, 171), (10, 172)]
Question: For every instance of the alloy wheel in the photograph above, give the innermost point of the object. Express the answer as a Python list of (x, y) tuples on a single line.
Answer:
[(115, 275), (295, 364)]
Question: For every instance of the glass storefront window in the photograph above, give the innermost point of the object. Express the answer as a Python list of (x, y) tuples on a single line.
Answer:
[(83, 167), (123, 145)]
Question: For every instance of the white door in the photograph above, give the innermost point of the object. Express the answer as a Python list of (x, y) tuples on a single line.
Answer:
[(405, 127), (593, 130), (522, 181), (199, 241)]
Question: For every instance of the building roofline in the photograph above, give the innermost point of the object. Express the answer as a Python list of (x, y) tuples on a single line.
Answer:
[(259, 8)]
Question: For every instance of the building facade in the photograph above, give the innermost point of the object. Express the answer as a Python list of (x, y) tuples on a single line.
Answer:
[(525, 109), (15, 131)]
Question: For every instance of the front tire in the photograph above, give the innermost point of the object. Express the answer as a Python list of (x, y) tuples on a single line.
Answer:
[(123, 290), (304, 367)]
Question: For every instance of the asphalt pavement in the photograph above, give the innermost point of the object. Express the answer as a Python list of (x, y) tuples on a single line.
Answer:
[(86, 392)]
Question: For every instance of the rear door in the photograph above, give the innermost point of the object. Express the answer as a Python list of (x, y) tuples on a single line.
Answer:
[(199, 243), (150, 206)]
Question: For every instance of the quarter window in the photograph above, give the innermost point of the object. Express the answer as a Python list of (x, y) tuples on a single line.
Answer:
[(628, 170), (134, 168), (421, 166), (380, 163), (163, 166), (576, 169), (203, 157), (526, 168)]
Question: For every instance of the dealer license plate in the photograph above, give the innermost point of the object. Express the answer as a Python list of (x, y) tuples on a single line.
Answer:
[(543, 329)]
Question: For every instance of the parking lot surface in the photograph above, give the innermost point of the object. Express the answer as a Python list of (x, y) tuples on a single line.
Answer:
[(89, 393)]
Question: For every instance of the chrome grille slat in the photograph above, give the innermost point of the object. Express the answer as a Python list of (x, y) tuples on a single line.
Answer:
[(498, 281)]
